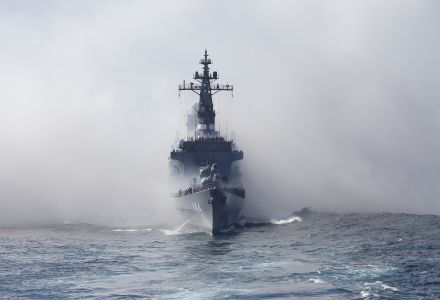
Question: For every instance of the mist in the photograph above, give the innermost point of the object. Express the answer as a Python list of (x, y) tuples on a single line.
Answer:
[(335, 104)]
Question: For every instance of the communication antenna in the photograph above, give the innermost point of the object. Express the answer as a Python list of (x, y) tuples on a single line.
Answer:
[(219, 113), (205, 87), (226, 103), (182, 111)]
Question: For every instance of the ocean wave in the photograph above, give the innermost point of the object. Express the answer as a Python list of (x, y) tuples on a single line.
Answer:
[(380, 285), (316, 280), (372, 289), (286, 221), (349, 258)]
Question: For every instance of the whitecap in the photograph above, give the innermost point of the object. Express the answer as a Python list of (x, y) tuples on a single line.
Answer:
[(365, 294), (372, 288), (286, 221), (388, 287), (316, 280)]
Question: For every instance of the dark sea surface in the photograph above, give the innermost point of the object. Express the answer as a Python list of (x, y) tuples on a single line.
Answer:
[(318, 256)]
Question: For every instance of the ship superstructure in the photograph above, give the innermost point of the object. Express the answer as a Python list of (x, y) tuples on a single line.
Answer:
[(207, 161)]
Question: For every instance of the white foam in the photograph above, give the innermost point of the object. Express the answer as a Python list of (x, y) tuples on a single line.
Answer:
[(169, 231), (132, 230), (369, 271), (316, 280), (381, 285), (388, 287), (365, 294), (372, 288), (286, 221)]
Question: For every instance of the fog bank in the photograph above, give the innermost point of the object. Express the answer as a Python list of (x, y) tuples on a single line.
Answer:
[(335, 104)]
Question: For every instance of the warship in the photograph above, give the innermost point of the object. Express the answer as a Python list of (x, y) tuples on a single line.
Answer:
[(206, 164)]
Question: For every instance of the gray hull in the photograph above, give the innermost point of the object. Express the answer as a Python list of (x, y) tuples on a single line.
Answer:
[(211, 209)]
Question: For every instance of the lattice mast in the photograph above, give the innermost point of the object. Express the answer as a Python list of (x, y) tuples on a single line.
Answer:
[(205, 89)]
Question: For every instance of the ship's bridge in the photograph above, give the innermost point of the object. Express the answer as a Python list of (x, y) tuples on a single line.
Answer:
[(194, 153)]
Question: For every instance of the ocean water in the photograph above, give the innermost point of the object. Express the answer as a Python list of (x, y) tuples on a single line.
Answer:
[(316, 256)]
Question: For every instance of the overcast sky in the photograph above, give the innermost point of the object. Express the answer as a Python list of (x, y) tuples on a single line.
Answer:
[(336, 103)]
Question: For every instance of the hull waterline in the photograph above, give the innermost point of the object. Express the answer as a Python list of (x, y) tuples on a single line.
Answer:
[(213, 210)]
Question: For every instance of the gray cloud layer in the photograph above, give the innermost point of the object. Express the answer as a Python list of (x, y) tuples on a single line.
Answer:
[(336, 103)]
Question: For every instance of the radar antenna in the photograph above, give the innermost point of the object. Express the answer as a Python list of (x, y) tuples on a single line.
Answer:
[(205, 88)]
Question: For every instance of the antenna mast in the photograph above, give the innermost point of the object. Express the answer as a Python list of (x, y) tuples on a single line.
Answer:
[(205, 88)]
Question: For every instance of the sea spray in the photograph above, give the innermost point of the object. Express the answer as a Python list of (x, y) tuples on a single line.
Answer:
[(178, 229)]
